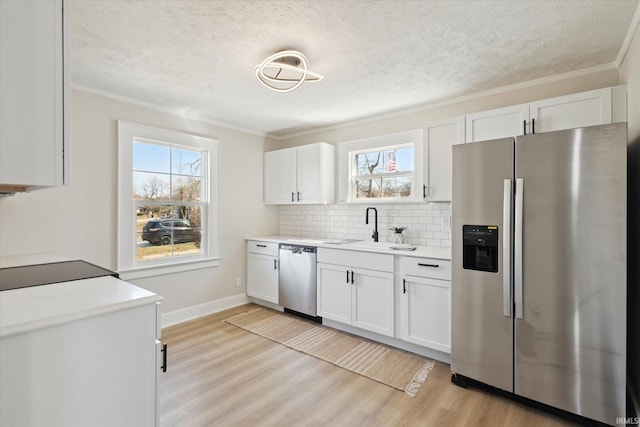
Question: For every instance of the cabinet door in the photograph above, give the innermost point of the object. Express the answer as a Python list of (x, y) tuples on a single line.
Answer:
[(590, 108), (309, 174), (280, 176), (499, 123), (334, 293), (372, 301), (440, 137), (33, 109), (425, 312), (262, 277), (95, 371)]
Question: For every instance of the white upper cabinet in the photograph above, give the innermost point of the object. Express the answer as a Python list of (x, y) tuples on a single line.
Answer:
[(279, 176), (573, 111), (34, 107), (300, 175), (591, 108), (499, 123), (440, 136)]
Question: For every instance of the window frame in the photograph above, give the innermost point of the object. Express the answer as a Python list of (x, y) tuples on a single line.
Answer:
[(347, 192), (127, 264)]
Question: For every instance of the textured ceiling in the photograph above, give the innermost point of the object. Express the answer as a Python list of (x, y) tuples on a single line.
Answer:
[(197, 57)]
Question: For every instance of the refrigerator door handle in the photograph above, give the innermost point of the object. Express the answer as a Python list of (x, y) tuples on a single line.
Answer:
[(517, 264), (506, 248)]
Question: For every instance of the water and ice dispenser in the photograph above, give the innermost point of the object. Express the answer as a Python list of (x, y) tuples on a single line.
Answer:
[(480, 247)]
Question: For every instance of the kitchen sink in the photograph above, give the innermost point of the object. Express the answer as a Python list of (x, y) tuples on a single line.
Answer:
[(318, 242), (343, 241), (370, 245)]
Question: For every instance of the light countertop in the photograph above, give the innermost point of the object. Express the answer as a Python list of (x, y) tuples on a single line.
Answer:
[(443, 253), (26, 309)]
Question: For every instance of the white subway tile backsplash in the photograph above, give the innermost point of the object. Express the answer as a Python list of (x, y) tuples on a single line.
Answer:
[(423, 222)]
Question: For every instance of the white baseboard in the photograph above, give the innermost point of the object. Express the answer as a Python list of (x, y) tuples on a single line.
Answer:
[(193, 312)]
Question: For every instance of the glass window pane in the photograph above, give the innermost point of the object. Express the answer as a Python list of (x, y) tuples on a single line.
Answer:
[(368, 188), (187, 230), (154, 232), (186, 188), (151, 186), (167, 231), (404, 159), (186, 162), (369, 163), (397, 187), (151, 157)]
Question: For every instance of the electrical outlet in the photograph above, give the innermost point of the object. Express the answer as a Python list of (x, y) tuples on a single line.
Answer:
[(238, 282), (445, 223)]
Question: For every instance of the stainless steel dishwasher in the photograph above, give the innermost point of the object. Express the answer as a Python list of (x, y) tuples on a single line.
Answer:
[(297, 276)]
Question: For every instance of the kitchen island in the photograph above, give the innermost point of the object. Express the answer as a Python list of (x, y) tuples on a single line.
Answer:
[(82, 352)]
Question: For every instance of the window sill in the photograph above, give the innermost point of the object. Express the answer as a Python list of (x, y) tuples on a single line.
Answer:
[(159, 270), (381, 202)]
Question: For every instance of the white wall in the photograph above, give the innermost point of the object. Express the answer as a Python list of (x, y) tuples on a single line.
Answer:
[(630, 74), (79, 221)]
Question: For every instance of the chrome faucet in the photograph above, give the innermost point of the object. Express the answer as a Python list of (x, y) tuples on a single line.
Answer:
[(366, 221)]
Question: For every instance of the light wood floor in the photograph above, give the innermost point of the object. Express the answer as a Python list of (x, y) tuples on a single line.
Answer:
[(221, 375)]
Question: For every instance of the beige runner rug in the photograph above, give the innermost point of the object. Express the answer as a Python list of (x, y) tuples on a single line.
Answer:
[(395, 368)]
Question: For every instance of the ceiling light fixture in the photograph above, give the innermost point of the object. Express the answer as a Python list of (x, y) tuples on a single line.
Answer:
[(285, 71)]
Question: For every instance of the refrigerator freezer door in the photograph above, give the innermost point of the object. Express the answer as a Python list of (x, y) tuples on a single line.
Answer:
[(571, 341), (482, 336)]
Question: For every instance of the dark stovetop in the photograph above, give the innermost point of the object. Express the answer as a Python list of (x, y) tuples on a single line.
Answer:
[(46, 274)]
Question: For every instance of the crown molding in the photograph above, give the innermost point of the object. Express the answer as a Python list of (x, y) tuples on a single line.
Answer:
[(463, 98), (163, 109), (626, 43)]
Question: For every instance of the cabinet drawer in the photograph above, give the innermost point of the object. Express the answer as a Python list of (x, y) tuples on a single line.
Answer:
[(264, 248), (425, 267), (356, 259)]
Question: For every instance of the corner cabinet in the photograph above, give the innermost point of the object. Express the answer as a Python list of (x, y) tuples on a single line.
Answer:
[(425, 302), (440, 136), (262, 270), (34, 106), (300, 175), (357, 289), (591, 108)]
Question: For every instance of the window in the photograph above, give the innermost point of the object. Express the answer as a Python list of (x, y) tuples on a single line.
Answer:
[(381, 169), (385, 172), (167, 214)]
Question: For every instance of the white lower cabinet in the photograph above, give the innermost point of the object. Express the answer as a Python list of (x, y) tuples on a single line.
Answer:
[(262, 270), (98, 371), (349, 292), (425, 302)]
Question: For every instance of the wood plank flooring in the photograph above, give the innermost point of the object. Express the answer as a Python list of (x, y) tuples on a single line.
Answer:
[(221, 375)]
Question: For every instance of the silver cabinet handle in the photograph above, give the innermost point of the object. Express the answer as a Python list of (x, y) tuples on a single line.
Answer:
[(506, 248), (518, 249)]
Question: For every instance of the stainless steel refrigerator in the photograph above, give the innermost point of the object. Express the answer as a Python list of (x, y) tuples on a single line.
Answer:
[(539, 268)]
